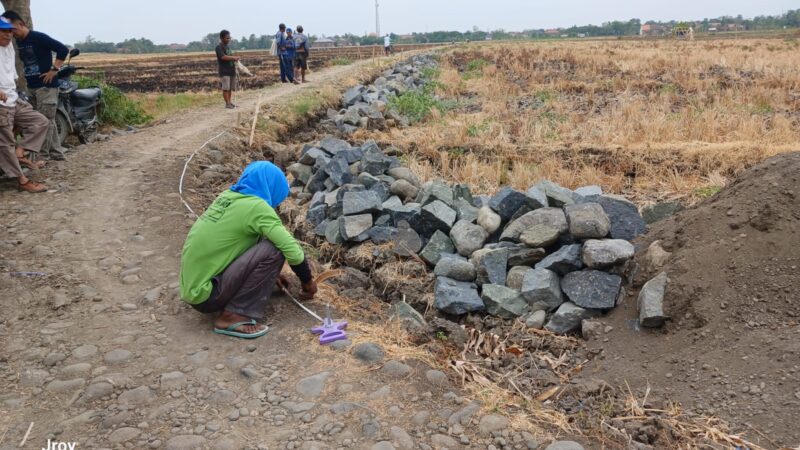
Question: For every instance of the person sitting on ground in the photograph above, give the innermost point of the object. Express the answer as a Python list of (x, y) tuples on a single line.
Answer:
[(17, 113), (36, 53), (227, 67), (302, 45), (234, 253), (287, 56)]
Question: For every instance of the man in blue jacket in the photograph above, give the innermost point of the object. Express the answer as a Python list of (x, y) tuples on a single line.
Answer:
[(36, 52)]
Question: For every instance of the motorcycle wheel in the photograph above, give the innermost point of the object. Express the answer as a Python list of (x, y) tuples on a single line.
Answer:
[(62, 128)]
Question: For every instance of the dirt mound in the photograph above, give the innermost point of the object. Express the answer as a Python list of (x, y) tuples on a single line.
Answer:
[(731, 348)]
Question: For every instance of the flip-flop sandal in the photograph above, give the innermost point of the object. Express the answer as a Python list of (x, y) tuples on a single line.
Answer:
[(230, 330), (30, 164)]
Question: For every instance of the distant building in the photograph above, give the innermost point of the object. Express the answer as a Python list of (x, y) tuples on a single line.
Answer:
[(652, 29), (552, 32), (323, 43), (178, 47), (734, 27), (488, 36)]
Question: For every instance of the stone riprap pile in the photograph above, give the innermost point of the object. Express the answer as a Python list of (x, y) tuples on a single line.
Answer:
[(513, 254), (369, 106)]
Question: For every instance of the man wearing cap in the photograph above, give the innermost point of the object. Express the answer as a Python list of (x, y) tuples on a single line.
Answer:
[(287, 57), (17, 113), (36, 52)]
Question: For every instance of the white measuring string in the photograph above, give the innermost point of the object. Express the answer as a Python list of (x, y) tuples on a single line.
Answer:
[(186, 166)]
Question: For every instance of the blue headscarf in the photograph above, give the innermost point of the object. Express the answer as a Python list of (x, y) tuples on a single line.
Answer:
[(264, 180)]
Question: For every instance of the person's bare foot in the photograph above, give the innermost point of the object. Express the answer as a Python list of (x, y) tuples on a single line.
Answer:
[(227, 318)]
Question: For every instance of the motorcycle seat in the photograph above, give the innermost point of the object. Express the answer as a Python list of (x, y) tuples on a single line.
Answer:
[(89, 94)]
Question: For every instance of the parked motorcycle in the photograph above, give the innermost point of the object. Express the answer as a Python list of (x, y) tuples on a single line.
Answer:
[(78, 109)]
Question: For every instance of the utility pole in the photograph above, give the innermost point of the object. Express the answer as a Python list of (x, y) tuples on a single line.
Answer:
[(377, 20)]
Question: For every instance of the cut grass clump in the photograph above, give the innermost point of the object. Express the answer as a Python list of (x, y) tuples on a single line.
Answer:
[(117, 109), (341, 62), (474, 69), (159, 105), (416, 105)]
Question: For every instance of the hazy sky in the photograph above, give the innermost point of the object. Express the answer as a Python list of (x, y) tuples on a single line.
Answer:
[(181, 21)]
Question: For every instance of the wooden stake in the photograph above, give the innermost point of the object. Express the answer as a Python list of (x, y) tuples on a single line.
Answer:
[(255, 120)]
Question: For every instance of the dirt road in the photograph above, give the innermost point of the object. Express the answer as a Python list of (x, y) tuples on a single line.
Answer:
[(95, 348)]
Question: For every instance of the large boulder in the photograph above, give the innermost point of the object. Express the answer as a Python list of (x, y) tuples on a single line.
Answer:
[(404, 173), (568, 317), (338, 170), (456, 297), (465, 210), (301, 172), (309, 156), (436, 216), (592, 289), (651, 302), (515, 276), (522, 255), (317, 214), (541, 235), (355, 228), (407, 241), (437, 245), (399, 212), (551, 217), (404, 189), (587, 220), (435, 190), (541, 288), (488, 219), (537, 198), (626, 223), (565, 260), (492, 266), (374, 161), (556, 195), (468, 237), (456, 267), (503, 302), (506, 202), (333, 145), (353, 95), (598, 254), (361, 203)]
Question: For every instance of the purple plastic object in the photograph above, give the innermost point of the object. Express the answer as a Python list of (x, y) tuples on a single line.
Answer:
[(330, 331)]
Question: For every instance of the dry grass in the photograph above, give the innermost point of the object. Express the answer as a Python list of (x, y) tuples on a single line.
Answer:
[(651, 120)]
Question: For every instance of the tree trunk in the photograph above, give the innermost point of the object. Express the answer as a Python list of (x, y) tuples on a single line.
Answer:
[(23, 8)]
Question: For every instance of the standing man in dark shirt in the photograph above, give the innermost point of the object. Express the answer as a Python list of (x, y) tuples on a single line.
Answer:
[(227, 67), (36, 52), (280, 40)]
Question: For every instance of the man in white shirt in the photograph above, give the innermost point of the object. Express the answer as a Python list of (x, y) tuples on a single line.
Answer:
[(387, 45), (15, 112)]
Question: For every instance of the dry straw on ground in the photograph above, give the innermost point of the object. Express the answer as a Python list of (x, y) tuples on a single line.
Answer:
[(650, 119)]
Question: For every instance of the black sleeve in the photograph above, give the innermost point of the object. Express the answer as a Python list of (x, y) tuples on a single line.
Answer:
[(220, 53), (303, 271), (53, 45)]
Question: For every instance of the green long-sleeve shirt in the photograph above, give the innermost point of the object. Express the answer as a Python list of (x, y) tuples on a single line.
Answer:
[(228, 228)]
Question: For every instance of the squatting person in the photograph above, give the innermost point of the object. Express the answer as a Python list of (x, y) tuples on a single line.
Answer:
[(36, 53), (17, 113), (227, 67), (234, 253)]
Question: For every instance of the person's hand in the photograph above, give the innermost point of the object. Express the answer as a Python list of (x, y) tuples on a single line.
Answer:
[(48, 77), (3, 97), (308, 290), (283, 282), (237, 58)]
